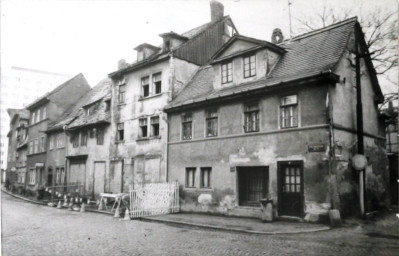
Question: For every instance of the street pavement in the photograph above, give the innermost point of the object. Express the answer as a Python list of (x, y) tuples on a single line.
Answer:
[(30, 229)]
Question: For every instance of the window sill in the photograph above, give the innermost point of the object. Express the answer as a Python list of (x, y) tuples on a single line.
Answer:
[(119, 141), (190, 188), (121, 104), (148, 138), (206, 189), (149, 97)]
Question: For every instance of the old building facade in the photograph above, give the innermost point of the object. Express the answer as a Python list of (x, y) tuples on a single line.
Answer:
[(277, 121)]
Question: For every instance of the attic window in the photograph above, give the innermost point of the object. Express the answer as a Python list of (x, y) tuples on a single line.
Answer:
[(249, 66), (228, 30), (166, 45), (140, 55), (227, 72)]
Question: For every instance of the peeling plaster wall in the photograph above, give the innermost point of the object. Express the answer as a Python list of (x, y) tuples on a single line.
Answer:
[(233, 148)]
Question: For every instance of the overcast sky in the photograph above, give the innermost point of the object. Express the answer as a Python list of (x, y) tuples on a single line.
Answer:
[(89, 37)]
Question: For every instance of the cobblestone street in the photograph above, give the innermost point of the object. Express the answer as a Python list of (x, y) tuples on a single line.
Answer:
[(29, 229)]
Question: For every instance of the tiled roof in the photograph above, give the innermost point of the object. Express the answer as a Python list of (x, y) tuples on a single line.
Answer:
[(307, 55), (74, 116)]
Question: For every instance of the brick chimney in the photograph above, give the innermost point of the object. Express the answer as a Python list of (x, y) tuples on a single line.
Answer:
[(217, 11)]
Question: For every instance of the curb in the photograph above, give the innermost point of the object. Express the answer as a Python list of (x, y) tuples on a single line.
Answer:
[(212, 227), (23, 198)]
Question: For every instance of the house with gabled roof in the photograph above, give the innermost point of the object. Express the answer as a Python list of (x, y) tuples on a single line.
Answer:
[(84, 134), (277, 120), (142, 89), (43, 111)]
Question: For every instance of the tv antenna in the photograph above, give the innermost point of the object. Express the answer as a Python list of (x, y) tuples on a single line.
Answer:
[(289, 14)]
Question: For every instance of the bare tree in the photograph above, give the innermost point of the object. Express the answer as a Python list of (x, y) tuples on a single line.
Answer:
[(379, 26)]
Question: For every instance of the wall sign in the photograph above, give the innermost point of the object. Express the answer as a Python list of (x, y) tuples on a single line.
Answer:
[(317, 148)]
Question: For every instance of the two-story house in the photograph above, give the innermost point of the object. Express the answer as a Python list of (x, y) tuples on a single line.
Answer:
[(43, 111), (142, 89), (277, 120), (17, 144)]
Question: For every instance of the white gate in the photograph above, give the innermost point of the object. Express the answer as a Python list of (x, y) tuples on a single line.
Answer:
[(154, 199)]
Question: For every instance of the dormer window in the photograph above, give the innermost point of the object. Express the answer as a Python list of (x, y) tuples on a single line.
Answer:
[(167, 45), (227, 72), (140, 55), (249, 66)]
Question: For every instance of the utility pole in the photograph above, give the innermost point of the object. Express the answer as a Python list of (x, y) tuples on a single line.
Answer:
[(359, 122)]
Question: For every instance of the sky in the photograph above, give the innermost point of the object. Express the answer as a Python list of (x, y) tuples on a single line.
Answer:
[(89, 37)]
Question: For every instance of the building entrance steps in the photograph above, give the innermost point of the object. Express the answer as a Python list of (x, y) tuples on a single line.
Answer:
[(236, 224)]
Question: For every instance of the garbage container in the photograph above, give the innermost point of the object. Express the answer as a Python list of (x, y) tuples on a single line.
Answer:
[(266, 206)]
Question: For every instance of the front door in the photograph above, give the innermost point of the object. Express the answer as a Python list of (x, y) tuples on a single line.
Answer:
[(290, 196)]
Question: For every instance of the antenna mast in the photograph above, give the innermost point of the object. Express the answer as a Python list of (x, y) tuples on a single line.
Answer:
[(289, 14)]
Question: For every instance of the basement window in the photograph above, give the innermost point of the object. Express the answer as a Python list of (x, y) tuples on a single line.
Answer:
[(155, 126)]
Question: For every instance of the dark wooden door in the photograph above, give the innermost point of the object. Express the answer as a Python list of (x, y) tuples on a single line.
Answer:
[(290, 179)]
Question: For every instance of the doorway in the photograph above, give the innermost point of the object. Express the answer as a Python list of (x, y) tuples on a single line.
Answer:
[(290, 188)]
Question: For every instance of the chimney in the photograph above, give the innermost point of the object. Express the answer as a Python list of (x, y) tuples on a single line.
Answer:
[(217, 11), (277, 36)]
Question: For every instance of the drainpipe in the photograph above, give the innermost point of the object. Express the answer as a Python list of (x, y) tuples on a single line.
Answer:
[(359, 122)]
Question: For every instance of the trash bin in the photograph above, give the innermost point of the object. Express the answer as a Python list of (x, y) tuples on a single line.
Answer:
[(266, 206)]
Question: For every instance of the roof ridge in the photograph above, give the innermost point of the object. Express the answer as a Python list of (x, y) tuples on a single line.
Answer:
[(320, 30)]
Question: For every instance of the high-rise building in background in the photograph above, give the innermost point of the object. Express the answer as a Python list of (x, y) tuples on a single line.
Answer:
[(19, 87)]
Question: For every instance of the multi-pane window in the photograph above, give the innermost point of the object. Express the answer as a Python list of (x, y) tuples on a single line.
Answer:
[(83, 139), (157, 83), (32, 176), (251, 117), (190, 177), (154, 126), (100, 136), (42, 147), (121, 95), (75, 140), (36, 145), (289, 111), (52, 142), (60, 140), (31, 147), (211, 123), (187, 122), (249, 66), (145, 86), (38, 115), (227, 72), (33, 117), (143, 127), (205, 178), (120, 132)]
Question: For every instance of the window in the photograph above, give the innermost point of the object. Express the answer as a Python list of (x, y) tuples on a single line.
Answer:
[(38, 115), (157, 83), (36, 145), (227, 72), (249, 66), (211, 123), (62, 181), (44, 112), (167, 45), (289, 111), (83, 140), (145, 85), (120, 132), (100, 136), (251, 117), (107, 105), (42, 144), (60, 140), (57, 176), (154, 126), (121, 95), (143, 127), (190, 177), (31, 147), (52, 142), (252, 185), (75, 140), (205, 179), (33, 117), (32, 176), (140, 55), (187, 126)]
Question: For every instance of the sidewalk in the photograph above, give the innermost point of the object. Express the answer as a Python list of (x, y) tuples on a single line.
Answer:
[(236, 224)]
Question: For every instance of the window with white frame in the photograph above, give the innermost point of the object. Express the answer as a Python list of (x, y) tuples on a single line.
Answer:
[(36, 146), (143, 127), (249, 66), (289, 111), (157, 83), (190, 177), (154, 126), (145, 86), (187, 123), (60, 140), (42, 144), (52, 142), (205, 178), (251, 117), (44, 112), (120, 133), (38, 115), (227, 72), (121, 93), (211, 123)]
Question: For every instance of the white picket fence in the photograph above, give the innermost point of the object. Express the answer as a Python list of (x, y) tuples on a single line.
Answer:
[(154, 199)]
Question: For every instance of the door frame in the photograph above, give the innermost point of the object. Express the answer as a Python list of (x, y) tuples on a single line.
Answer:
[(279, 185), (94, 175)]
